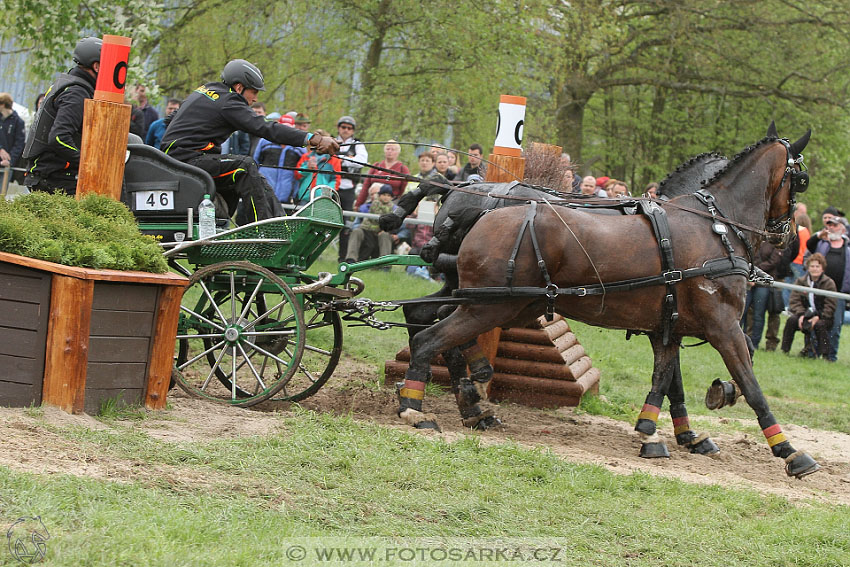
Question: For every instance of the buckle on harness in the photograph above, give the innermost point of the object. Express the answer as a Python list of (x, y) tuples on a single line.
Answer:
[(672, 276), (581, 291)]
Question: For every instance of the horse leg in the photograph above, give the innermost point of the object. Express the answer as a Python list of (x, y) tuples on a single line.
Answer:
[(471, 391), (685, 436), (461, 327), (662, 374), (732, 346)]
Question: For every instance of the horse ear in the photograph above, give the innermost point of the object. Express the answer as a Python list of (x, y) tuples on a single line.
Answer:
[(798, 146), (771, 130)]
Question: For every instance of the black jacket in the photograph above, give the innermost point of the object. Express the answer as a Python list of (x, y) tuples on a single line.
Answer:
[(61, 157), (12, 136), (210, 115)]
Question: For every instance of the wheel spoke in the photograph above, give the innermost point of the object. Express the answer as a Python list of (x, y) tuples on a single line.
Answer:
[(247, 305), (195, 359), (233, 304), (201, 318), (251, 366), (213, 369), (270, 355), (211, 300)]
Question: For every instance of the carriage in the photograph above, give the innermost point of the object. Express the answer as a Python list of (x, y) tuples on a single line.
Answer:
[(255, 324)]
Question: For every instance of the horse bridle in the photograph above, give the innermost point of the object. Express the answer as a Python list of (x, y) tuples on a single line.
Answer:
[(795, 169)]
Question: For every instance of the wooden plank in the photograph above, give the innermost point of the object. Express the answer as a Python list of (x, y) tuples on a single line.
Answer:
[(121, 323), (17, 395), (104, 141), (162, 349), (118, 349), (111, 375), (91, 274), (125, 396), (124, 297), (67, 343), (19, 314), (20, 342), (22, 285), (21, 370)]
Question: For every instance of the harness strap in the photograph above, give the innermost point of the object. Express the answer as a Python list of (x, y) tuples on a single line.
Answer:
[(658, 220), (711, 269)]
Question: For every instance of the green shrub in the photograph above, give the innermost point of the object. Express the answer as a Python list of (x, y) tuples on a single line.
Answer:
[(95, 232)]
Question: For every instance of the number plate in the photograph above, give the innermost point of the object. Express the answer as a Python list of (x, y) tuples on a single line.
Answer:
[(154, 200)]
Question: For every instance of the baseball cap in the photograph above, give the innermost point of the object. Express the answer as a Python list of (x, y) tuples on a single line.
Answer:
[(385, 188), (286, 119), (301, 118)]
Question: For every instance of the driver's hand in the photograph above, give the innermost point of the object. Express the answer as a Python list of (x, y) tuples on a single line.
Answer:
[(324, 144)]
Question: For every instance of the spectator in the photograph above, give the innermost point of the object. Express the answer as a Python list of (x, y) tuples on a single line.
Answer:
[(207, 118), (53, 148), (277, 163), (302, 122), (590, 188), (362, 241), (767, 258), (795, 252), (150, 114), (617, 189), (831, 243), (568, 181), (157, 128), (454, 167), (12, 133), (651, 190), (427, 169), (390, 161), (475, 166), (441, 163), (38, 100), (349, 148), (137, 117), (812, 314), (260, 110), (329, 167)]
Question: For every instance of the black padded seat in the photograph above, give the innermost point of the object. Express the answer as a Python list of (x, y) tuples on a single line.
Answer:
[(158, 188)]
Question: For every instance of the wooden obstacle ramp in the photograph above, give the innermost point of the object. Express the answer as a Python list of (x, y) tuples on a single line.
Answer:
[(542, 365)]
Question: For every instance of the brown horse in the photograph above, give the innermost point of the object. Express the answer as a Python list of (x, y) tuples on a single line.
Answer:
[(574, 255)]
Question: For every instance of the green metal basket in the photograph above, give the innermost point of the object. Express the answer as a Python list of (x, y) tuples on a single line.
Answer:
[(289, 243)]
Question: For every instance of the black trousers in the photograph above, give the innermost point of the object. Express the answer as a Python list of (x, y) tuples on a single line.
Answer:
[(820, 332), (238, 177)]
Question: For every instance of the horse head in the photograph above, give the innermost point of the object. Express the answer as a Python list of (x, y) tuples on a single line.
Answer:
[(795, 179)]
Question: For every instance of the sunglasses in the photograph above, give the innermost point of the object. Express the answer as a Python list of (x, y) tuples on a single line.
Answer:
[(345, 127)]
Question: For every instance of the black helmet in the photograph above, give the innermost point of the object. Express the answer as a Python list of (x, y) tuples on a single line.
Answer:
[(87, 51), (244, 73), (346, 120)]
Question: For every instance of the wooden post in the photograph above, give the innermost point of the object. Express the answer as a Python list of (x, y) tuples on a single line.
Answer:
[(165, 333), (507, 164), (67, 343), (106, 123)]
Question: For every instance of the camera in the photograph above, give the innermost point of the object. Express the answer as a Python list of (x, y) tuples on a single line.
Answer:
[(807, 319)]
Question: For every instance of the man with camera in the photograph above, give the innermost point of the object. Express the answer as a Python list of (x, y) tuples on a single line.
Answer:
[(811, 314)]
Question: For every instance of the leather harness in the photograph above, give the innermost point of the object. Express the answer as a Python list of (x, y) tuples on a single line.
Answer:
[(669, 277)]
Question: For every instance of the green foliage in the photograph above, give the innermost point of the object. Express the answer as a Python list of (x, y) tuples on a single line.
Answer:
[(95, 232)]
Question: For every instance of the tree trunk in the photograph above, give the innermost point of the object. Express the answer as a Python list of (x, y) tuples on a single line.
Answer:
[(570, 128)]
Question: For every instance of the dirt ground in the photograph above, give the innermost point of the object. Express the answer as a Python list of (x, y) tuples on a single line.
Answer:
[(744, 460)]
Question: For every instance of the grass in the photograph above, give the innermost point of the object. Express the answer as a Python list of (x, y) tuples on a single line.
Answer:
[(243, 501)]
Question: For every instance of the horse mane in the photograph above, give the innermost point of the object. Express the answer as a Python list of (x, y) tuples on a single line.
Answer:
[(689, 176), (739, 157)]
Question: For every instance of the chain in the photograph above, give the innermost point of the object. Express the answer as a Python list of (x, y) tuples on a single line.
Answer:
[(362, 311)]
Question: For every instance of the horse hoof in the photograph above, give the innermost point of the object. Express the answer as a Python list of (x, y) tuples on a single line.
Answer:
[(800, 464), (654, 450), (428, 425), (488, 423), (721, 394), (705, 446)]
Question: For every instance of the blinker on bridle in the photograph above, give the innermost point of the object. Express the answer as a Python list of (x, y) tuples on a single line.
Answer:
[(799, 179)]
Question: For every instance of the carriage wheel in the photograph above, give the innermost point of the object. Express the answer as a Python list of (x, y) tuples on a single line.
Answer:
[(241, 334), (322, 349)]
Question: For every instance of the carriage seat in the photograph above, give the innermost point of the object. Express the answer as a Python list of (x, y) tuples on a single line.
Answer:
[(158, 188)]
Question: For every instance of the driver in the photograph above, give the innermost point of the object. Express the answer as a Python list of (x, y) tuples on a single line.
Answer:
[(53, 143), (209, 115)]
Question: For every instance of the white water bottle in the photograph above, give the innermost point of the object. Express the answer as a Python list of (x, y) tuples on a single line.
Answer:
[(206, 218)]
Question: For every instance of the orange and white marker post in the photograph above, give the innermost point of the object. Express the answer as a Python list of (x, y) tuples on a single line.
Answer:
[(106, 122), (506, 164)]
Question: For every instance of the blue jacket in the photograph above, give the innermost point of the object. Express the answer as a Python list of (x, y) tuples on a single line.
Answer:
[(823, 248), (282, 180), (155, 132)]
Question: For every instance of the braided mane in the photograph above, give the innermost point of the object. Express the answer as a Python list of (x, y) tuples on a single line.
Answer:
[(689, 176), (739, 157)]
